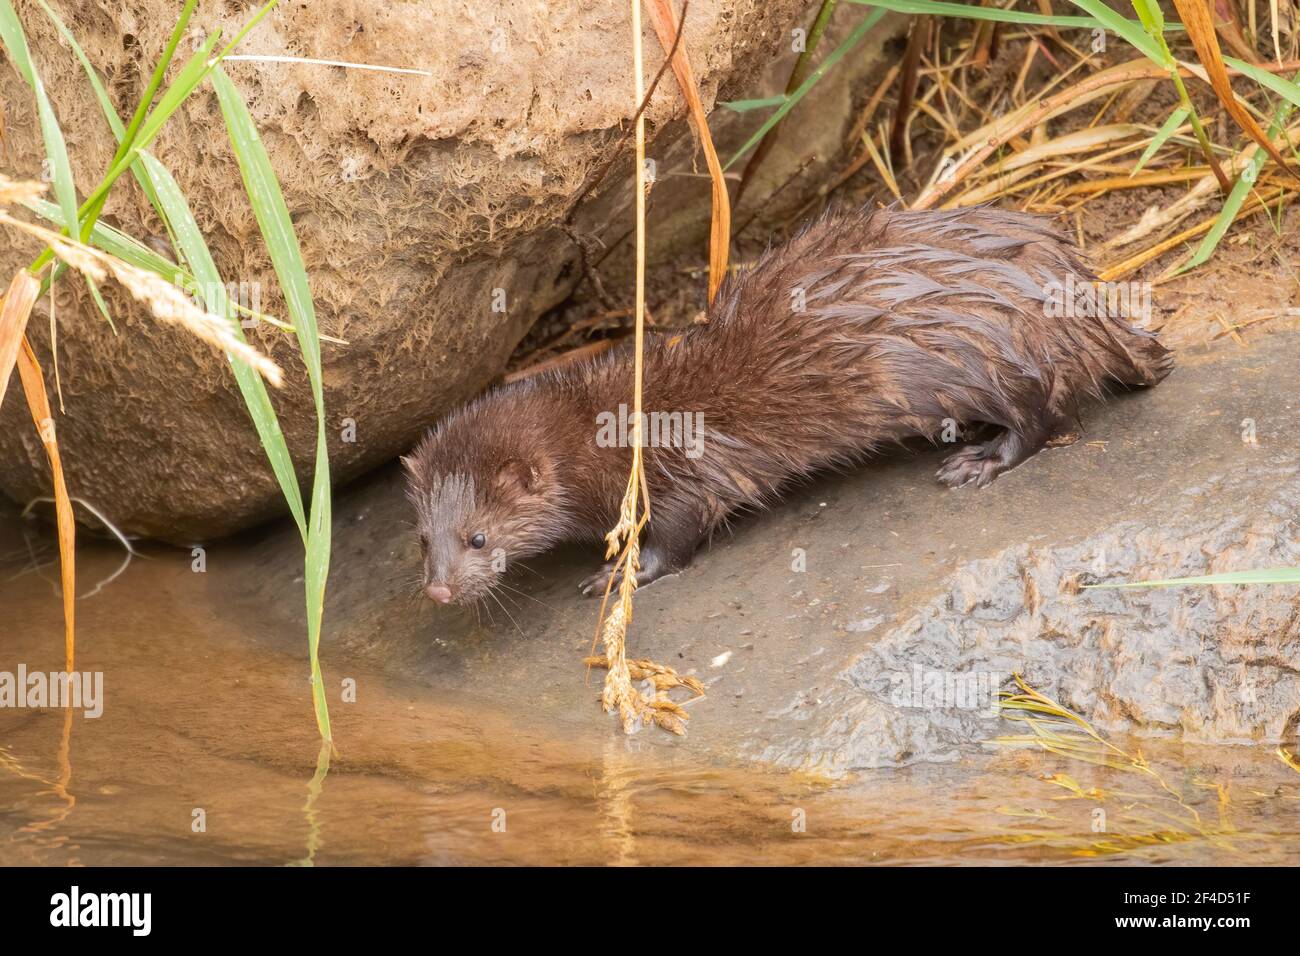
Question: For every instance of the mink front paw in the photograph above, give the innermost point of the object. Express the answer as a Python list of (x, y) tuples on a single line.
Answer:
[(594, 584), (653, 567)]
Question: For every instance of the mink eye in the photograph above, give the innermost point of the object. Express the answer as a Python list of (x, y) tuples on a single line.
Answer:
[(424, 543), (478, 540)]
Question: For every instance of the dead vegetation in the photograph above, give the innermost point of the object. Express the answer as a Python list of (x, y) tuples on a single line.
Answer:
[(623, 540), (1150, 812), (1157, 165)]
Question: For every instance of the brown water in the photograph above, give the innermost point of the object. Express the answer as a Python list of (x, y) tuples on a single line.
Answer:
[(206, 709)]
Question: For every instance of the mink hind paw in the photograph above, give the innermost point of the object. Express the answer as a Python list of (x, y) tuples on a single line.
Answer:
[(971, 465), (980, 463)]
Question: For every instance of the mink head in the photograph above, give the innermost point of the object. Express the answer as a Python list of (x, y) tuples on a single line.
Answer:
[(486, 494)]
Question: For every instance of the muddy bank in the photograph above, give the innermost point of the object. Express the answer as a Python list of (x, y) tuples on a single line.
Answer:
[(805, 668), (205, 754)]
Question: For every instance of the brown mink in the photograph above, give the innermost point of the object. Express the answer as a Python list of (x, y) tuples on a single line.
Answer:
[(867, 328)]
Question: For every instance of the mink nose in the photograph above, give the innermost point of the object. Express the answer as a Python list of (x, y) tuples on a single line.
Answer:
[(439, 592)]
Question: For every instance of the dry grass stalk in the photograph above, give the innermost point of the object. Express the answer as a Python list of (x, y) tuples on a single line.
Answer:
[(17, 192), (624, 539), (1199, 196), (886, 175), (1061, 731), (975, 148), (869, 111), (619, 694), (987, 140), (1200, 29), (1024, 178), (666, 26), (15, 309), (1119, 270), (1163, 177), (797, 76), (561, 360), (167, 302), (38, 402), (665, 712)]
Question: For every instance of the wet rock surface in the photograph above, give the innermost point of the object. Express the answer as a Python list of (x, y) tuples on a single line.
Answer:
[(915, 603)]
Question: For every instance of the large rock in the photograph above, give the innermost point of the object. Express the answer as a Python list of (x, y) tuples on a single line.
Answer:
[(414, 198)]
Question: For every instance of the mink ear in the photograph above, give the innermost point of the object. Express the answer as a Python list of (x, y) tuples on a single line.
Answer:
[(520, 475)]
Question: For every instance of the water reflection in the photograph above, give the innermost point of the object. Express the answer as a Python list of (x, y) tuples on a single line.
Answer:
[(203, 712), (314, 790), (42, 833)]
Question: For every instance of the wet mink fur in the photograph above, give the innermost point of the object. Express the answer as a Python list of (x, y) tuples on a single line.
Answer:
[(908, 319)]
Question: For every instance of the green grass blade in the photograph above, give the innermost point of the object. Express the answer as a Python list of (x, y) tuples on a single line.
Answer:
[(1166, 130), (100, 304), (273, 218), (96, 84), (170, 203), (203, 279), (1272, 576), (208, 285), (101, 96), (196, 69), (852, 40), (127, 139), (194, 72), (744, 106), (129, 149), (1287, 89), (1240, 190), (800, 72), (117, 243), (1152, 17), (155, 80), (939, 8), (999, 15), (191, 75), (1227, 213), (56, 149), (282, 243), (1129, 30)]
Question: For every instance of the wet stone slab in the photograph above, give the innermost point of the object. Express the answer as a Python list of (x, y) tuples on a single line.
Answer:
[(915, 603)]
